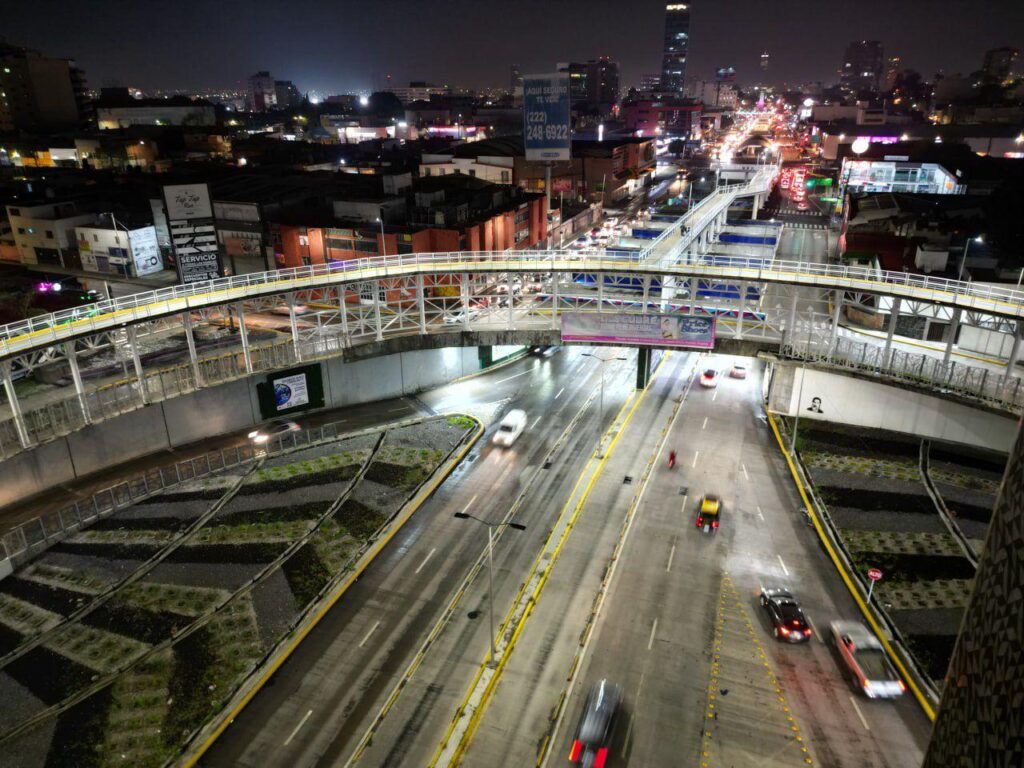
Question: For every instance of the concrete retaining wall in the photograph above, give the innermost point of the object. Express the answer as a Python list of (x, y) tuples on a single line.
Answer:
[(847, 399), (215, 411)]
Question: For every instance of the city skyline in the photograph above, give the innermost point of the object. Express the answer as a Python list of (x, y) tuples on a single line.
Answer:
[(354, 45)]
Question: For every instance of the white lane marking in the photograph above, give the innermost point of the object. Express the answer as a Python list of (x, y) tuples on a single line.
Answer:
[(639, 687), (759, 513), (654, 628), (814, 629), (714, 395), (470, 502), (744, 468), (535, 422), (785, 570), (671, 554), (429, 555), (629, 730), (705, 424), (514, 376), (695, 455), (860, 714), (372, 630), (302, 722), (560, 393), (685, 497)]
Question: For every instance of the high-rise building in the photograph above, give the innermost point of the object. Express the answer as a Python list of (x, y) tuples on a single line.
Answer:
[(862, 66), (998, 63), (39, 92), (764, 63), (516, 80), (579, 76), (603, 81), (677, 43), (286, 94), (650, 82), (892, 72), (262, 92)]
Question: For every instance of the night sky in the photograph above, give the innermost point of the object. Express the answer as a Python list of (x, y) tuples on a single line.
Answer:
[(349, 45)]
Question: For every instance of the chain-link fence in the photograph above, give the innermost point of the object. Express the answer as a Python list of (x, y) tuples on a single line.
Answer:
[(986, 384)]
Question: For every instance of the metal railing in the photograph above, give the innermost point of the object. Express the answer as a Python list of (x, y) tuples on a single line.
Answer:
[(984, 384), (26, 540)]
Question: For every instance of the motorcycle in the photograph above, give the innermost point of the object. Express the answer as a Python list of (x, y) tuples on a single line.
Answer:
[(671, 459)]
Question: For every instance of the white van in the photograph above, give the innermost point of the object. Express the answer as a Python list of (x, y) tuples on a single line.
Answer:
[(510, 428)]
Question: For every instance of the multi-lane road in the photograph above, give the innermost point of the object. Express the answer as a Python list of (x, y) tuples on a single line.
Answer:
[(679, 622), (319, 705)]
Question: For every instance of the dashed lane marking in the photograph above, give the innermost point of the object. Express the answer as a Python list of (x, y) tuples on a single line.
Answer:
[(429, 555), (863, 720), (302, 722), (785, 570), (372, 630)]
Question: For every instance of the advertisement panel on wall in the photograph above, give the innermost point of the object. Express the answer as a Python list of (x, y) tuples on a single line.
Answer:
[(145, 251), (291, 391), (546, 117), (649, 330)]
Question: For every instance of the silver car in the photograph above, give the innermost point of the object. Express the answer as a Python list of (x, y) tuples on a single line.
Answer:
[(866, 662)]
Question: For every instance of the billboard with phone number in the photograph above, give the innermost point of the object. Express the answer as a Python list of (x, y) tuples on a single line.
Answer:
[(546, 117), (646, 330)]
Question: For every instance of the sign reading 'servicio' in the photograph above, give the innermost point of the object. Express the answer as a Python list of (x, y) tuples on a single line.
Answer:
[(193, 234), (644, 330), (546, 117)]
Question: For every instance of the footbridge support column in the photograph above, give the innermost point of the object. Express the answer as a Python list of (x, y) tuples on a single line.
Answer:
[(12, 399)]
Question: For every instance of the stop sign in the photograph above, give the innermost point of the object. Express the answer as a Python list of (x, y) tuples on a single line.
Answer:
[(874, 574)]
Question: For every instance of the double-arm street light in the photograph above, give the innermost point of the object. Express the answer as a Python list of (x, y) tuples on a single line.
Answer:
[(600, 423), (491, 528)]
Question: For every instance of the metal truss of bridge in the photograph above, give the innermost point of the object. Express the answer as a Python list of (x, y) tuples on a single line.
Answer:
[(116, 356)]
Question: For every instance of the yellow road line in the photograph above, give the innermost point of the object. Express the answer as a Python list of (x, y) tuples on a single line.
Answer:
[(379, 545), (837, 561), (474, 722)]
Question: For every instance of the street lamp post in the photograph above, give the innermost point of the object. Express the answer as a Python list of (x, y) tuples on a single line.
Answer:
[(963, 257), (490, 568), (600, 423), (383, 243)]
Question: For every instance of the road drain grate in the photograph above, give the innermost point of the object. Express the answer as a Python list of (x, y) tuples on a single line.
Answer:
[(627, 480), (547, 464), (683, 490)]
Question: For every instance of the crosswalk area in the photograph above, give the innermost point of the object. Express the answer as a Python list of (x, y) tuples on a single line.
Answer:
[(804, 225)]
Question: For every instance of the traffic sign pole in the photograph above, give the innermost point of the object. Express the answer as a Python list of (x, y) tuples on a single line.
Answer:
[(875, 574)]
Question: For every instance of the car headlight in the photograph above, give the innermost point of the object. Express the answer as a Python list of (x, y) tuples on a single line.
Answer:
[(261, 438)]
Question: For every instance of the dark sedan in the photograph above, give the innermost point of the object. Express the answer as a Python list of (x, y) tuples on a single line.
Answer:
[(786, 615)]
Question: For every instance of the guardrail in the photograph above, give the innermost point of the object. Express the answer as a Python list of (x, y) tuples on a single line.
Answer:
[(26, 540), (988, 386)]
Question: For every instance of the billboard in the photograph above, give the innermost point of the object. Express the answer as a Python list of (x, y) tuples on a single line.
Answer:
[(650, 330), (193, 235), (291, 391), (188, 201), (546, 117), (145, 251)]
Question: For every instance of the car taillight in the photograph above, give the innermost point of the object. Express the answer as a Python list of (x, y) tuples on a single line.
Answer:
[(700, 522), (714, 525), (784, 630), (902, 686), (574, 753), (808, 631), (602, 755)]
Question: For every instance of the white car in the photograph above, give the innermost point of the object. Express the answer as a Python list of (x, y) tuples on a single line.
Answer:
[(709, 378), (865, 660), (458, 316), (271, 429), (510, 428)]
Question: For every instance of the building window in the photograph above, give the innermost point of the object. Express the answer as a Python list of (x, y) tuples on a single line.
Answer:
[(426, 171), (15, 211), (49, 234), (472, 172), (304, 240), (505, 177), (95, 238), (367, 246), (21, 230)]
